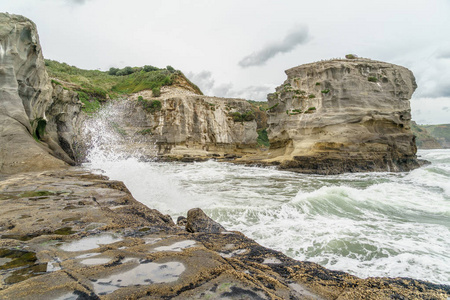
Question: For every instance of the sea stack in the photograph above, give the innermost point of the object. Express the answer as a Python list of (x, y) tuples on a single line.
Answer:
[(343, 115)]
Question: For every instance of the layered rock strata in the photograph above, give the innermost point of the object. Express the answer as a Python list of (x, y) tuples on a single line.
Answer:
[(26, 95), (75, 235), (184, 125), (339, 116)]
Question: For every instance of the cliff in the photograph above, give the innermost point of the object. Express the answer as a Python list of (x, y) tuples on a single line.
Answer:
[(338, 116), (179, 124), (424, 140), (440, 133), (68, 234), (26, 101)]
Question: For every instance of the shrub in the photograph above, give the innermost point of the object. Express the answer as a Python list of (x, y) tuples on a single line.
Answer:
[(325, 91), (244, 117), (170, 69), (351, 56), (317, 83), (150, 68), (152, 106), (311, 96), (372, 79), (113, 71), (263, 138), (156, 92)]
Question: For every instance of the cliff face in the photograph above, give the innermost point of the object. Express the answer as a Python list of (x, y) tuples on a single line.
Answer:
[(182, 124), (25, 96), (343, 116)]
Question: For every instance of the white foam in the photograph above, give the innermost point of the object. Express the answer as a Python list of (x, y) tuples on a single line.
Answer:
[(369, 224)]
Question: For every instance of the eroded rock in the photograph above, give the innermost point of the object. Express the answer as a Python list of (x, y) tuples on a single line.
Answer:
[(198, 221), (25, 96), (110, 246), (343, 116)]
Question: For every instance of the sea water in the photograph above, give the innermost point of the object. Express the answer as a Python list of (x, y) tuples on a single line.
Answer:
[(367, 224)]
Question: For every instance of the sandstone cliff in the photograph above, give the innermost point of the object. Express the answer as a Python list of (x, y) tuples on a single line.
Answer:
[(343, 116), (180, 124), (26, 95)]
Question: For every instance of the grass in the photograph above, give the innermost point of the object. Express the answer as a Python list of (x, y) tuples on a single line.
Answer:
[(372, 79), (325, 91), (143, 81), (95, 86)]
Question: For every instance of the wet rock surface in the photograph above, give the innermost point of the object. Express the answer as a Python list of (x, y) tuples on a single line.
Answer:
[(76, 235), (198, 221)]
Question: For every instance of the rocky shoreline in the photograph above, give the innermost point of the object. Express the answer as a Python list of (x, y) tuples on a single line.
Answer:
[(66, 233), (71, 234)]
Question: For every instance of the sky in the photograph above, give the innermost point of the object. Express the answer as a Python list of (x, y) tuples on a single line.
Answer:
[(240, 49)]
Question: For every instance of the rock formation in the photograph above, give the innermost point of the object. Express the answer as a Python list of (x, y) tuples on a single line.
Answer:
[(74, 235), (343, 116), (183, 125), (25, 97)]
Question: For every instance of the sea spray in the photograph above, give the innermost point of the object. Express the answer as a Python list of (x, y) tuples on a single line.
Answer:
[(368, 224), (106, 138)]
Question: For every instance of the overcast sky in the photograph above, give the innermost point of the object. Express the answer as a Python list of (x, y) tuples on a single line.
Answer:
[(241, 48)]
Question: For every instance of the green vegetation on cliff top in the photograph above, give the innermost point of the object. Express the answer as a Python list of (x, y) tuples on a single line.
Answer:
[(95, 86)]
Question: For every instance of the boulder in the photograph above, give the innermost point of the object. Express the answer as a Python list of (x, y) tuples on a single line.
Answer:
[(198, 221)]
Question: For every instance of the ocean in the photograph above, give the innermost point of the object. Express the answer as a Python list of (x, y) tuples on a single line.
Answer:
[(367, 224)]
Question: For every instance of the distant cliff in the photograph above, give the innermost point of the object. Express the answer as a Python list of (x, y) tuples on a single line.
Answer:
[(432, 136), (350, 115), (424, 140)]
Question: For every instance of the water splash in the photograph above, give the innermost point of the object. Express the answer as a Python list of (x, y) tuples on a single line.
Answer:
[(110, 136)]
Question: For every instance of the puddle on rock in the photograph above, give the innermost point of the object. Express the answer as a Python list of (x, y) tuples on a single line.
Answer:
[(303, 291), (95, 261), (151, 240), (87, 255), (271, 260), (233, 253), (54, 265), (145, 273), (76, 295), (90, 242), (177, 247)]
